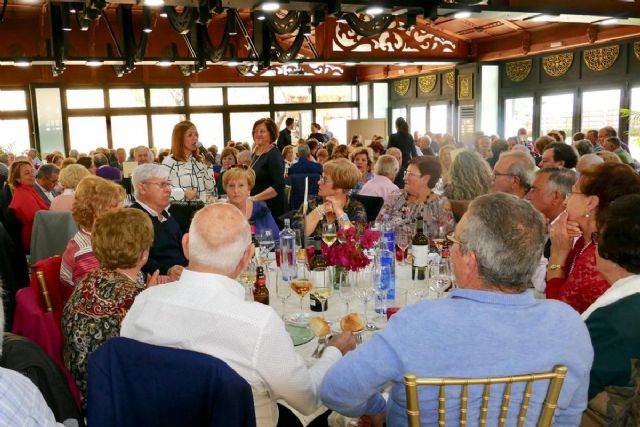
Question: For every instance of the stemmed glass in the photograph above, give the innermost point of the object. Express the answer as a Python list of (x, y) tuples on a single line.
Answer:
[(403, 238), (301, 286), (366, 290), (329, 233), (440, 277), (247, 278), (283, 292), (347, 288), (267, 244)]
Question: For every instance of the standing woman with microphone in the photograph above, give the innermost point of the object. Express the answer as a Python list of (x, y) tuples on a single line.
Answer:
[(186, 169)]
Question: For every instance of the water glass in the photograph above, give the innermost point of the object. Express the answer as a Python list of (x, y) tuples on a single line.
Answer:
[(267, 244), (347, 288), (365, 288), (440, 277), (283, 292)]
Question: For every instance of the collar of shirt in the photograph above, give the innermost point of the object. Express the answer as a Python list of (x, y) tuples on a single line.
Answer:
[(490, 297), (49, 194), (162, 216), (197, 278)]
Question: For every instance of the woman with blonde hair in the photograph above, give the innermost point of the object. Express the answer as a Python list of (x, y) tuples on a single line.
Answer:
[(69, 178), (121, 240), (186, 169), (94, 197), (333, 204), (238, 183), (469, 177)]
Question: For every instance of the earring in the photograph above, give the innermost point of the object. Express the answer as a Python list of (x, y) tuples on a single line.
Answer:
[(587, 215)]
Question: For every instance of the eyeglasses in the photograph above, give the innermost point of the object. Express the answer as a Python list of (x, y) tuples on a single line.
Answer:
[(595, 237), (407, 173), (453, 239), (325, 179), (570, 193), (161, 185), (502, 174)]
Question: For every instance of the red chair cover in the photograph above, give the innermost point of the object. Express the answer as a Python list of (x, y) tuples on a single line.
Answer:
[(50, 267)]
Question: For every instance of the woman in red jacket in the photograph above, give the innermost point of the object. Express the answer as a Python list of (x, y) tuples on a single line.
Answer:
[(25, 202), (571, 273)]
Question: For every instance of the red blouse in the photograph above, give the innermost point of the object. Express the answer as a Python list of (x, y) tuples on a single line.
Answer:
[(26, 202), (582, 284)]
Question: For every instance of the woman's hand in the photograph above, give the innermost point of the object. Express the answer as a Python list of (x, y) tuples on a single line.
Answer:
[(190, 194), (336, 203), (562, 233), (153, 279)]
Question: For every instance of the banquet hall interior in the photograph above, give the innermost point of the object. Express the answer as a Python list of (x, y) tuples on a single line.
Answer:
[(329, 123)]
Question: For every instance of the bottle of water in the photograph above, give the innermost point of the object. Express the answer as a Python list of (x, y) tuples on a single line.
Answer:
[(288, 252), (388, 233), (387, 265)]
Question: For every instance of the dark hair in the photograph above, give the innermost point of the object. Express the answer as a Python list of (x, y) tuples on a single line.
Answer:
[(272, 128), (619, 229), (555, 135), (401, 125), (583, 146), (610, 131), (428, 165), (614, 140), (578, 136), (498, 146), (609, 181), (564, 152), (377, 147), (289, 121), (45, 171), (100, 160), (85, 161), (313, 144)]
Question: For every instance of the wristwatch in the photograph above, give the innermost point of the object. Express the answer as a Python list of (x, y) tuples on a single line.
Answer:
[(554, 267), (320, 211)]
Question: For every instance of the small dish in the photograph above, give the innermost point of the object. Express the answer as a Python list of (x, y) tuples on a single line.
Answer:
[(299, 334)]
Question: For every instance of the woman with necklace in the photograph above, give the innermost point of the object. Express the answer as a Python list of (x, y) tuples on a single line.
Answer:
[(571, 273), (238, 182), (186, 169), (268, 165), (418, 199)]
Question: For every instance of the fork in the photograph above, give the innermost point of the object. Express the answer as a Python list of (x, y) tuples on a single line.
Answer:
[(322, 343)]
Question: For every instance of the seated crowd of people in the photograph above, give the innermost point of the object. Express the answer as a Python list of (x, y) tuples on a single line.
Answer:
[(545, 249)]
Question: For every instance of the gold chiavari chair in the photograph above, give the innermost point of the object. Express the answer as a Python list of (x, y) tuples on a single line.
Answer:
[(45, 292), (556, 378)]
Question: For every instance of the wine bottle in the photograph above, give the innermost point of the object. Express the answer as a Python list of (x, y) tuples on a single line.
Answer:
[(260, 290), (420, 251)]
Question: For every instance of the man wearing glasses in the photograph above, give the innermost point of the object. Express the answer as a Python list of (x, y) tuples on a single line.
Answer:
[(489, 326), (513, 173)]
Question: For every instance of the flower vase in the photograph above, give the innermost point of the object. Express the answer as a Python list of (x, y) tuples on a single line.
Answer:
[(339, 274)]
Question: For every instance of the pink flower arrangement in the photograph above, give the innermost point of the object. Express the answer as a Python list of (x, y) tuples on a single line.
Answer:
[(349, 251)]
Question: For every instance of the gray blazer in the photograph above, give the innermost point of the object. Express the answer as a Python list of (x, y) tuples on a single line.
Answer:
[(44, 196)]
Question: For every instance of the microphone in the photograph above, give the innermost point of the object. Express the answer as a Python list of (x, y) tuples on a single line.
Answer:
[(205, 153)]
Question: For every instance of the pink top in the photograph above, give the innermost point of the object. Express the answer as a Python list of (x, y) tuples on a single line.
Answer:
[(77, 261), (379, 186), (63, 202)]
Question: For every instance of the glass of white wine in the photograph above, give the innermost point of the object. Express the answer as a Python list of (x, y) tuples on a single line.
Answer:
[(302, 285), (329, 233)]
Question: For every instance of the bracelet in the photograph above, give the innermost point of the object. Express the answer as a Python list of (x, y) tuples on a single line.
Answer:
[(554, 267), (344, 217), (320, 211)]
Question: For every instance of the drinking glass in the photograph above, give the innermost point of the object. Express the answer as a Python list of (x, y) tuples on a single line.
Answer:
[(346, 288), (301, 286), (329, 233), (403, 239), (247, 278), (365, 288), (283, 292), (267, 244), (440, 277)]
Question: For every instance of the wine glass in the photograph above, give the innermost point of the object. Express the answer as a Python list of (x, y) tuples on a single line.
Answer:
[(440, 277), (267, 244), (346, 288), (403, 239), (301, 286), (283, 292), (329, 233), (365, 288), (247, 278)]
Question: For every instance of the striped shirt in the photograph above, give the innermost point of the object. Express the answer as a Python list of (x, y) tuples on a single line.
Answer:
[(21, 403)]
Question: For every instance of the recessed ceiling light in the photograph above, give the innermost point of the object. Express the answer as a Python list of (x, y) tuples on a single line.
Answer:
[(154, 2), (463, 14), (609, 21), (94, 63), (374, 10), (164, 63), (22, 63), (261, 17), (349, 64), (232, 63), (270, 6)]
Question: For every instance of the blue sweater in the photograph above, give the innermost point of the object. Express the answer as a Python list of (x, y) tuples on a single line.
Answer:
[(470, 334)]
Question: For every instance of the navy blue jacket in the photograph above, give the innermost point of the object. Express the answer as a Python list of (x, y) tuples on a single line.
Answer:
[(306, 167)]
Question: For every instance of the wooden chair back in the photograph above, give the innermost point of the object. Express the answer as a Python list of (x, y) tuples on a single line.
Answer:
[(555, 377)]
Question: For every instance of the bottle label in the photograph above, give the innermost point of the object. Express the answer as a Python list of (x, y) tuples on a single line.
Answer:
[(317, 304), (420, 255)]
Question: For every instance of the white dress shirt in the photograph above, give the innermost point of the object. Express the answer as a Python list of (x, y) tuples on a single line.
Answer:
[(379, 186), (207, 313)]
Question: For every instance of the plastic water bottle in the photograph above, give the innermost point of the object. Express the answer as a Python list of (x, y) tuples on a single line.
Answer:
[(387, 264), (388, 233), (288, 265)]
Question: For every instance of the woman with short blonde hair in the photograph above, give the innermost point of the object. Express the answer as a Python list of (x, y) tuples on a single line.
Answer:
[(238, 183), (333, 204), (69, 178), (121, 240), (94, 197)]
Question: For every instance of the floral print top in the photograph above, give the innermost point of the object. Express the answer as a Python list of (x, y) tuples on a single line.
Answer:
[(438, 218), (92, 315), (354, 209)]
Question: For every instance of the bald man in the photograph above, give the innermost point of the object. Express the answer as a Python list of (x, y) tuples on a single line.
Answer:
[(205, 311)]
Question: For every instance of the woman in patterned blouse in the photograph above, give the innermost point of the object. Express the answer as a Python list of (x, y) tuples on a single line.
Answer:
[(333, 204), (418, 199), (186, 169), (121, 241), (571, 273)]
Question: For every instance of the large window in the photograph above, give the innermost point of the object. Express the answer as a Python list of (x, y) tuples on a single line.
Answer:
[(123, 98), (85, 98), (335, 121), (210, 129), (600, 108), (380, 100), (418, 120), (556, 113), (242, 125), (87, 133), (248, 96), (363, 101), (129, 131), (49, 109), (14, 131), (13, 100), (518, 113), (173, 97), (301, 123), (395, 113), (438, 118), (342, 93), (162, 128), (205, 96), (634, 124), (291, 94)]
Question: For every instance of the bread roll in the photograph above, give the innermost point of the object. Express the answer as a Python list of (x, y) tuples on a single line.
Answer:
[(319, 326), (352, 322)]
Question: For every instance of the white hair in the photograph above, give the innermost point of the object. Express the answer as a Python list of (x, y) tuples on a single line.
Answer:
[(387, 165), (523, 166), (589, 160), (225, 252), (146, 172)]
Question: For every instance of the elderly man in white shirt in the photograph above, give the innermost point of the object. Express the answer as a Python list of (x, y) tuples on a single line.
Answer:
[(381, 185), (205, 311)]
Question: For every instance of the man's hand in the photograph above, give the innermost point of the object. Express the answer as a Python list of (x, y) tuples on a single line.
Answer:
[(190, 194), (376, 420), (345, 342), (175, 272)]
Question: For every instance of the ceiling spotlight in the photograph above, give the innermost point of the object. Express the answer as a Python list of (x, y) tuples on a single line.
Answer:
[(374, 10), (64, 17), (270, 6), (146, 21), (154, 2), (349, 64), (94, 63), (231, 17), (72, 8), (463, 14), (163, 14), (609, 21), (22, 63), (260, 16), (164, 63), (306, 29)]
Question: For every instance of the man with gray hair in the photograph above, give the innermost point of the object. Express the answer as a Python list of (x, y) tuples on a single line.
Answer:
[(489, 326), (142, 155), (150, 183), (46, 180), (397, 153), (305, 164), (381, 185), (588, 161), (513, 173), (206, 311)]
